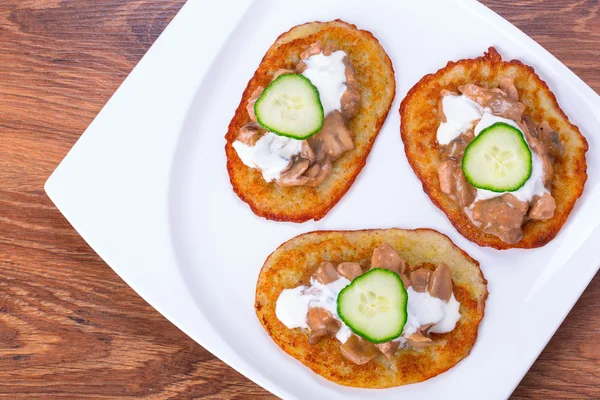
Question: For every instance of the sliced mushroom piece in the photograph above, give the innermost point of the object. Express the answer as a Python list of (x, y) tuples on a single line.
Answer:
[(358, 350), (501, 216), (313, 171), (440, 283), (454, 184), (476, 93), (456, 148), (504, 107), (321, 323), (250, 133), (319, 172), (418, 340), (531, 136), (253, 97), (333, 140), (326, 273), (497, 92), (497, 100), (386, 257), (530, 127), (349, 72), (508, 86), (293, 176), (465, 192), (549, 137), (388, 348), (536, 145), (419, 279), (542, 208), (350, 101), (349, 270), (306, 151), (446, 177), (315, 49)]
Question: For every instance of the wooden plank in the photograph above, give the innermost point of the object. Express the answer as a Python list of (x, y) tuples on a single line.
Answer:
[(69, 327)]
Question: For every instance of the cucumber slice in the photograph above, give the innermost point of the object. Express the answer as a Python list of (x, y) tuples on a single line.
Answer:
[(374, 305), (290, 106), (498, 159)]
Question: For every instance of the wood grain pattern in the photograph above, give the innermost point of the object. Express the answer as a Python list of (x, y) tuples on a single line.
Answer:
[(69, 327)]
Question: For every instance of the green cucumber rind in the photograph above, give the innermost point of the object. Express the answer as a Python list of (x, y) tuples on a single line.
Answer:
[(479, 137), (403, 305), (287, 134)]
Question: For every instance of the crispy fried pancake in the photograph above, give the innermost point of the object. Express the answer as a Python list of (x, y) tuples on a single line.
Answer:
[(420, 120), (377, 86), (289, 265)]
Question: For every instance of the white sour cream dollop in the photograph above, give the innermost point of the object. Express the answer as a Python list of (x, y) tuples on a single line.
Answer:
[(328, 74), (272, 153), (534, 186), (292, 304), (461, 113), (423, 309)]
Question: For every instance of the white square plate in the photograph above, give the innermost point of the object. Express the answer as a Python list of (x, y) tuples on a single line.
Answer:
[(146, 186)]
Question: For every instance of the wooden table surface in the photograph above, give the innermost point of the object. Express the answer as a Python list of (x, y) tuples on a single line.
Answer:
[(69, 327)]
